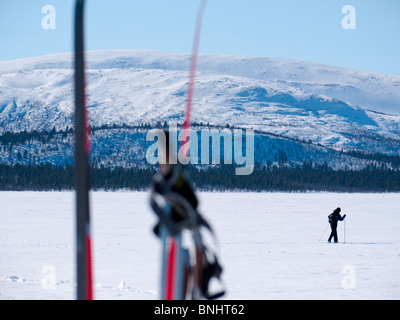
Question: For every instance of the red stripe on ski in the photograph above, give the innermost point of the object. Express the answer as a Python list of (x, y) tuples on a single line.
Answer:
[(89, 274), (171, 272)]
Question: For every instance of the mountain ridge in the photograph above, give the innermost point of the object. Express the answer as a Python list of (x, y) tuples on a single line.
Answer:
[(334, 81), (279, 96)]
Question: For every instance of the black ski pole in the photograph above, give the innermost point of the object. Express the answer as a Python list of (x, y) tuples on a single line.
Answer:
[(324, 232)]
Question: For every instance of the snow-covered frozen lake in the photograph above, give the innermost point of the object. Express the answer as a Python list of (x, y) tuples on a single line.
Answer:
[(268, 245)]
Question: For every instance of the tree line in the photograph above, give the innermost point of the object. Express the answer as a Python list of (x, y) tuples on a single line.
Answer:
[(308, 177)]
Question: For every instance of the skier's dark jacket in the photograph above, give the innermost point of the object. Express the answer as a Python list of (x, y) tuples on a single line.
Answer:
[(335, 217)]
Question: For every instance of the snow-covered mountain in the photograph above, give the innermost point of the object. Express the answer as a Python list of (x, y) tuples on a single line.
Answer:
[(324, 105)]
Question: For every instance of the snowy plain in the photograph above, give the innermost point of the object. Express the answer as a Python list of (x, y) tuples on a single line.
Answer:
[(268, 244)]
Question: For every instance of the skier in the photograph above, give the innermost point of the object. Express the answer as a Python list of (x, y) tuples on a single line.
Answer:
[(333, 220)]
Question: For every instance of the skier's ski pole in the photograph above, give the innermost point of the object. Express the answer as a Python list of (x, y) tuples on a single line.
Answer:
[(189, 100), (324, 232), (172, 277), (344, 238)]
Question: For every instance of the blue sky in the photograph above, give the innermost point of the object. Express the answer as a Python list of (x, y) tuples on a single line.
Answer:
[(309, 30)]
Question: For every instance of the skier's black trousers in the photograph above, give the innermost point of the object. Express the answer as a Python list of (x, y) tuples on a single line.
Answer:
[(334, 232)]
